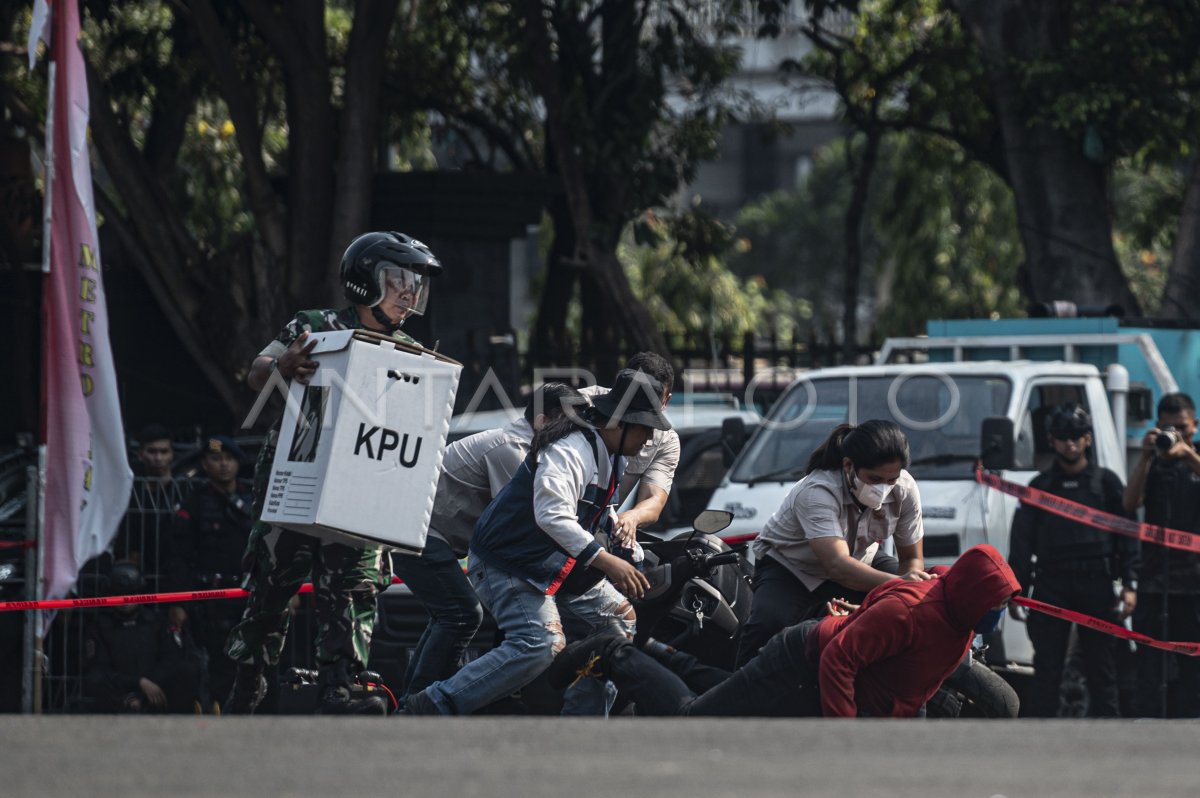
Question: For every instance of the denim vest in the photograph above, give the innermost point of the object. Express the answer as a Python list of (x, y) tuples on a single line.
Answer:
[(507, 535)]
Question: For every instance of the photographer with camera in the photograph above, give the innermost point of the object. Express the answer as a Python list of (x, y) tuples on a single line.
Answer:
[(1166, 480), (1076, 566)]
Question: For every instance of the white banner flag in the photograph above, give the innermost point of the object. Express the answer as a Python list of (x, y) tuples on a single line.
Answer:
[(87, 471)]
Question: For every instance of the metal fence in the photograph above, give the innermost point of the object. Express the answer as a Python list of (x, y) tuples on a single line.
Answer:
[(766, 361), (142, 539)]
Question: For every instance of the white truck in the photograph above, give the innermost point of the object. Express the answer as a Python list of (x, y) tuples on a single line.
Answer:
[(955, 406)]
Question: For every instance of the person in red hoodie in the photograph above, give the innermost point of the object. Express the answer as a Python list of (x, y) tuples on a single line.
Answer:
[(887, 658)]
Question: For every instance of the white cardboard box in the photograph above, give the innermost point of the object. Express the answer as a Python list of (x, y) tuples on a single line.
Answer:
[(360, 446)]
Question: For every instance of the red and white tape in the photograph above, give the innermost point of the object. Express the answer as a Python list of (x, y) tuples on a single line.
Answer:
[(1098, 519), (1191, 649), (1150, 533), (141, 598)]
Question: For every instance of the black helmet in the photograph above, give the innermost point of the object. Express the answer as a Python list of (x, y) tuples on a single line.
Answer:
[(125, 579), (1068, 422), (364, 268)]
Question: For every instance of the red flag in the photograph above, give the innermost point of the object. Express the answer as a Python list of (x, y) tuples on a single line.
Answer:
[(87, 476)]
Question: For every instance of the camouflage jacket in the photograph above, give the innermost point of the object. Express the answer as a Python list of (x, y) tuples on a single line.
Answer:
[(320, 321)]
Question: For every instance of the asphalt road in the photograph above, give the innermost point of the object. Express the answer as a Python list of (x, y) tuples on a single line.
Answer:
[(577, 758)]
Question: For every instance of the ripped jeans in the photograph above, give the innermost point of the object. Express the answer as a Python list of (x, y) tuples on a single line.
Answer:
[(533, 635)]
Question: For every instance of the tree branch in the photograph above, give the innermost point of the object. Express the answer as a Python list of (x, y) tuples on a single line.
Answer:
[(239, 98), (159, 229), (134, 248)]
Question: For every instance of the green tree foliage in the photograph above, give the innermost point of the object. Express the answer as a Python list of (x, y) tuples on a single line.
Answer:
[(1147, 203), (237, 140), (941, 239), (677, 264), (795, 241), (633, 96), (1125, 80), (1056, 98), (947, 233), (198, 110)]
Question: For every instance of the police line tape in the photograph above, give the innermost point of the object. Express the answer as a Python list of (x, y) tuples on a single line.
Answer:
[(141, 598), (1150, 533), (17, 544), (1116, 630), (1191, 649)]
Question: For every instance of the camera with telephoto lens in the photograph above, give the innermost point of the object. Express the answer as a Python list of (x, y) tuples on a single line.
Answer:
[(1167, 437)]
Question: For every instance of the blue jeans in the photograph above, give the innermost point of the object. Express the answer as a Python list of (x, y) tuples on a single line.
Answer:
[(438, 582), (533, 635)]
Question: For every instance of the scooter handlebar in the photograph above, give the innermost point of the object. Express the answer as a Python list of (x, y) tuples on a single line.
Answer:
[(724, 558)]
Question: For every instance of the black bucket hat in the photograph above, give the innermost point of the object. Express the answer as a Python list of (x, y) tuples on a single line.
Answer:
[(635, 398)]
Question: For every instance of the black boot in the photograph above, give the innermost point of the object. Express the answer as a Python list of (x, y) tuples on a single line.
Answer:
[(337, 698), (249, 689)]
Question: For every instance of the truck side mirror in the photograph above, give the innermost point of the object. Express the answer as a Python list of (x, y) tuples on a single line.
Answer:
[(733, 438), (1139, 407), (996, 443)]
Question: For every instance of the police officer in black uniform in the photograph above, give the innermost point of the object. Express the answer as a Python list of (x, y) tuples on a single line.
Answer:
[(136, 661), (1075, 568), (1166, 479), (208, 542)]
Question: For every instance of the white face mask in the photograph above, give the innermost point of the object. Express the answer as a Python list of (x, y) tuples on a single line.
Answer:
[(869, 496)]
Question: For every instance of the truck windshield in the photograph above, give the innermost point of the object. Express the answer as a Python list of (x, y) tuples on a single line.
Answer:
[(941, 415)]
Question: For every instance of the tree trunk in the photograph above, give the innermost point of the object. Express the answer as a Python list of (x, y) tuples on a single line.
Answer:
[(1061, 200), (1181, 294), (622, 315), (365, 58), (269, 215), (549, 346), (594, 253), (297, 36), (855, 212)]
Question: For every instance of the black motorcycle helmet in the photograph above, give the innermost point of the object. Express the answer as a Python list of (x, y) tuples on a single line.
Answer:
[(1068, 422), (374, 259)]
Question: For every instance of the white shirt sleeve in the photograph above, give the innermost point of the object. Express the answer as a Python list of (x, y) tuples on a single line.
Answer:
[(563, 473)]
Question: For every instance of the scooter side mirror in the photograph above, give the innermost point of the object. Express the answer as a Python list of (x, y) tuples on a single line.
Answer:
[(711, 522)]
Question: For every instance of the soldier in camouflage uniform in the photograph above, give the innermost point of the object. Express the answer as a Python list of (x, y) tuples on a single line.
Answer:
[(385, 276)]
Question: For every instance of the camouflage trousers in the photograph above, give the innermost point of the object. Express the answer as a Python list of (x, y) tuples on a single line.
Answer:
[(346, 584)]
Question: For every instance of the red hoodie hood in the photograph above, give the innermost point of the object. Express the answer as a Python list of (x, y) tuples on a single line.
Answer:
[(889, 657), (978, 581)]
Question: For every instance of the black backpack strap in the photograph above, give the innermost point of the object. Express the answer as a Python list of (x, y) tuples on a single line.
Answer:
[(1096, 486)]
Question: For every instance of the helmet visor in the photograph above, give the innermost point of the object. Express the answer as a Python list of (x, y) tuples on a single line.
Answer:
[(403, 290)]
